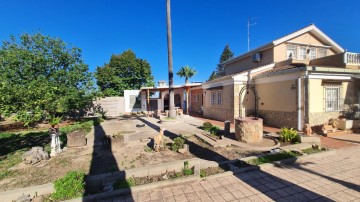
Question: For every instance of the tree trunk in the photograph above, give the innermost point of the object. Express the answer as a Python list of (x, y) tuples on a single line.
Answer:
[(186, 80), (172, 113)]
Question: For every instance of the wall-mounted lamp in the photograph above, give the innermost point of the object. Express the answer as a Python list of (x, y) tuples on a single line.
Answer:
[(293, 87)]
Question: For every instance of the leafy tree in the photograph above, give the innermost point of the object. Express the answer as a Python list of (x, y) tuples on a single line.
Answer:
[(42, 76), (227, 54), (123, 72), (212, 76), (186, 72), (172, 113)]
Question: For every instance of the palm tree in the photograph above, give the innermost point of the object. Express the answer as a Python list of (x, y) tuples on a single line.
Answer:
[(186, 72), (172, 113)]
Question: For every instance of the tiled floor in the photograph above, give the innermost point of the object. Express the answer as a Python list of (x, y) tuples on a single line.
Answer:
[(334, 177)]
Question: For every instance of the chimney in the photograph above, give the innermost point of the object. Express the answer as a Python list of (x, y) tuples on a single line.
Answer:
[(161, 83)]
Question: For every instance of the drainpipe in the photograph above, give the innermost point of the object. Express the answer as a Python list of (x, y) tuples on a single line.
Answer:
[(299, 104)]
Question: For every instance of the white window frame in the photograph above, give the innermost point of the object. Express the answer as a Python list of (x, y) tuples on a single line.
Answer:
[(322, 52), (312, 53), (302, 53), (219, 97), (291, 49), (332, 97), (213, 98)]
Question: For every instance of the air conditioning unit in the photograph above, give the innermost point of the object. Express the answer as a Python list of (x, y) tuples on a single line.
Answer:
[(256, 57)]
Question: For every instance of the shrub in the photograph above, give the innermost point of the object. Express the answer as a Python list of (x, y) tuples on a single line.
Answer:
[(178, 144), (289, 135), (71, 186), (207, 126), (214, 130), (186, 169), (202, 173)]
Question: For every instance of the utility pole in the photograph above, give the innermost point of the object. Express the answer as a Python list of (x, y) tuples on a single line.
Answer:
[(248, 26)]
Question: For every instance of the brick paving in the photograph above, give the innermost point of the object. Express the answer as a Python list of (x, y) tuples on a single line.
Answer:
[(334, 177)]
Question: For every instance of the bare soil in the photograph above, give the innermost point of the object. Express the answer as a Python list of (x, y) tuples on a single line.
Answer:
[(106, 158)]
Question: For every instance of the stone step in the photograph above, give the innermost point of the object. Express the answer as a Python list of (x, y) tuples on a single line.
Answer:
[(338, 133)]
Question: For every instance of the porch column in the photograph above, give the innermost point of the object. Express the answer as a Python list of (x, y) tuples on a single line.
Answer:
[(148, 101), (187, 99)]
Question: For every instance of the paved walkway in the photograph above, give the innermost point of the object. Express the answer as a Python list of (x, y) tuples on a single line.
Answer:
[(334, 177)]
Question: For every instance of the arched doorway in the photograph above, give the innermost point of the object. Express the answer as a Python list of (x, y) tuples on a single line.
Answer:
[(166, 102)]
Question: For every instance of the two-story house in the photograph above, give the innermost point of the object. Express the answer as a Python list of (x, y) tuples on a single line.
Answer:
[(303, 77)]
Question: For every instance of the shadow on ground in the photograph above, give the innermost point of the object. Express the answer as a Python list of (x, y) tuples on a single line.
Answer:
[(276, 188), (102, 161)]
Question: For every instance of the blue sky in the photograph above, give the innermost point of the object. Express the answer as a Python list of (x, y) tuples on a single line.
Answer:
[(200, 28)]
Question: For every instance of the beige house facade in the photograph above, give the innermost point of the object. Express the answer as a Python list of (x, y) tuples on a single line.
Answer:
[(303, 77)]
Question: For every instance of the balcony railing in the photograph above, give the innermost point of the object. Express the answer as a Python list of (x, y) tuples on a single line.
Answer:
[(352, 58)]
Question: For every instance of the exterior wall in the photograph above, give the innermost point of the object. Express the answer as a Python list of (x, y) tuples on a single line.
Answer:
[(317, 113), (222, 112), (332, 61), (278, 103), (179, 91), (247, 63), (195, 106), (279, 119), (113, 106), (307, 38), (127, 94)]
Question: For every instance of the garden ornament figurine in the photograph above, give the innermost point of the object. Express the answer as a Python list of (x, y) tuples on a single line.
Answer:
[(307, 129), (159, 140), (55, 140)]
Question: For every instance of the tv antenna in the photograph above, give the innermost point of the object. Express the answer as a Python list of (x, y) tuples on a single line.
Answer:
[(250, 23)]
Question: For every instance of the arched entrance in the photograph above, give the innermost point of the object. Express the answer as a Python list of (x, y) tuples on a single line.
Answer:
[(247, 88)]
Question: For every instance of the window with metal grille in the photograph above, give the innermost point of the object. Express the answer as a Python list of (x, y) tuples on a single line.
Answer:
[(213, 98), (332, 97), (219, 98)]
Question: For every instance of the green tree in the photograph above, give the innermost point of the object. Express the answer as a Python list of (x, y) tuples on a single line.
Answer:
[(42, 76), (212, 76), (123, 72), (186, 72), (172, 113), (227, 54)]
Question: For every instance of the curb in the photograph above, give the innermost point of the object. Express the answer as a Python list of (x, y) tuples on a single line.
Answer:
[(140, 188), (12, 195)]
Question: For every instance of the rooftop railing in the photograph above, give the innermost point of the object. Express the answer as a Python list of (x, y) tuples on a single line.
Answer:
[(352, 58)]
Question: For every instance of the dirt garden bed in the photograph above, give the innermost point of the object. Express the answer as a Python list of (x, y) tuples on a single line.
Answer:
[(104, 159)]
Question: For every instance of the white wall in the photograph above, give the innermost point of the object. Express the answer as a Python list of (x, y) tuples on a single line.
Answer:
[(127, 94)]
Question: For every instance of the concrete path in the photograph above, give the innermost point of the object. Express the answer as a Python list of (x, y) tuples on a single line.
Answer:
[(333, 177)]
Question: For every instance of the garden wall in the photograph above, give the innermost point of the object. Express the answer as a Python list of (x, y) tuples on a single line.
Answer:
[(113, 106)]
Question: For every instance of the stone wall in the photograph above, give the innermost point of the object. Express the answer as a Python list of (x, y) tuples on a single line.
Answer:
[(249, 130), (219, 114), (320, 118), (279, 119)]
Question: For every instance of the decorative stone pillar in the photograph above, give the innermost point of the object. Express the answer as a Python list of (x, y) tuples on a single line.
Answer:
[(249, 130), (55, 141)]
